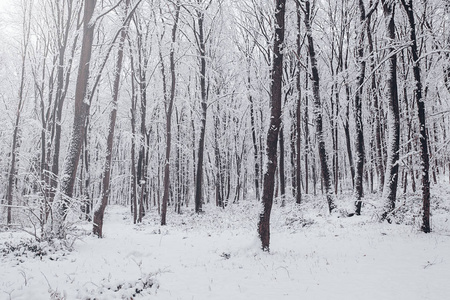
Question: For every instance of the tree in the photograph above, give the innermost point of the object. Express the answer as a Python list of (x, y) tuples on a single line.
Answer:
[(201, 40), (21, 96), (325, 170), (274, 128), (78, 129), (298, 111), (423, 138), (360, 153), (391, 174), (168, 103), (99, 211)]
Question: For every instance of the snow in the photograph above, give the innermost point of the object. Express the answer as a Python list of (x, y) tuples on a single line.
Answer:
[(216, 255)]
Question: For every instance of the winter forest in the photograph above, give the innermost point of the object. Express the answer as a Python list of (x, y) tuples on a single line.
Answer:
[(222, 149)]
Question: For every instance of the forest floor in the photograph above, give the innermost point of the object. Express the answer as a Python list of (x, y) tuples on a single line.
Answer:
[(216, 255)]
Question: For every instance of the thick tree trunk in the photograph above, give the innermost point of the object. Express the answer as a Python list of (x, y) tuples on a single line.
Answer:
[(426, 226), (61, 92), (359, 147), (142, 162), (203, 92), (325, 170), (391, 177), (275, 123), (81, 112)]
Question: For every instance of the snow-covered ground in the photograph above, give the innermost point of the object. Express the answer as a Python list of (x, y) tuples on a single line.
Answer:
[(216, 255)]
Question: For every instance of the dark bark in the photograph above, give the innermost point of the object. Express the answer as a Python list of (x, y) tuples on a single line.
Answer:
[(391, 177), (201, 43), (426, 226), (281, 167), (307, 139), (298, 121), (133, 159), (141, 169), (169, 100), (359, 147), (376, 107), (346, 126), (325, 170), (275, 123), (255, 145), (99, 212)]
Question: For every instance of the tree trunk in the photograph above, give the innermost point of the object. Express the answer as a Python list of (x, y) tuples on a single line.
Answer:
[(81, 112), (61, 92), (377, 111), (255, 145), (426, 226), (325, 170), (169, 110), (391, 175), (275, 123), (203, 92), (281, 167), (359, 147), (99, 211)]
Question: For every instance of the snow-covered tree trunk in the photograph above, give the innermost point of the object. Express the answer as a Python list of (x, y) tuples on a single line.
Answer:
[(201, 43), (169, 101), (63, 74), (26, 23), (325, 169), (359, 145), (274, 127), (375, 106), (68, 176), (99, 209), (298, 115), (391, 175), (426, 226)]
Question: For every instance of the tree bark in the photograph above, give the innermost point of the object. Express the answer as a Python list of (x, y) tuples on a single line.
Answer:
[(99, 212), (201, 144), (391, 175), (426, 226), (325, 170), (81, 112), (255, 145), (169, 110), (359, 147), (377, 110), (275, 123)]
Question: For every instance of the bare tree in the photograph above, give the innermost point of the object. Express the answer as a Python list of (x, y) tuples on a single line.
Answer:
[(325, 170), (168, 103), (274, 127), (425, 164), (201, 40), (78, 131), (26, 21), (391, 175), (360, 153), (99, 211)]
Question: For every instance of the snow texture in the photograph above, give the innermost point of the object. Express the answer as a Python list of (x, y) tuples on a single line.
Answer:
[(216, 255)]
